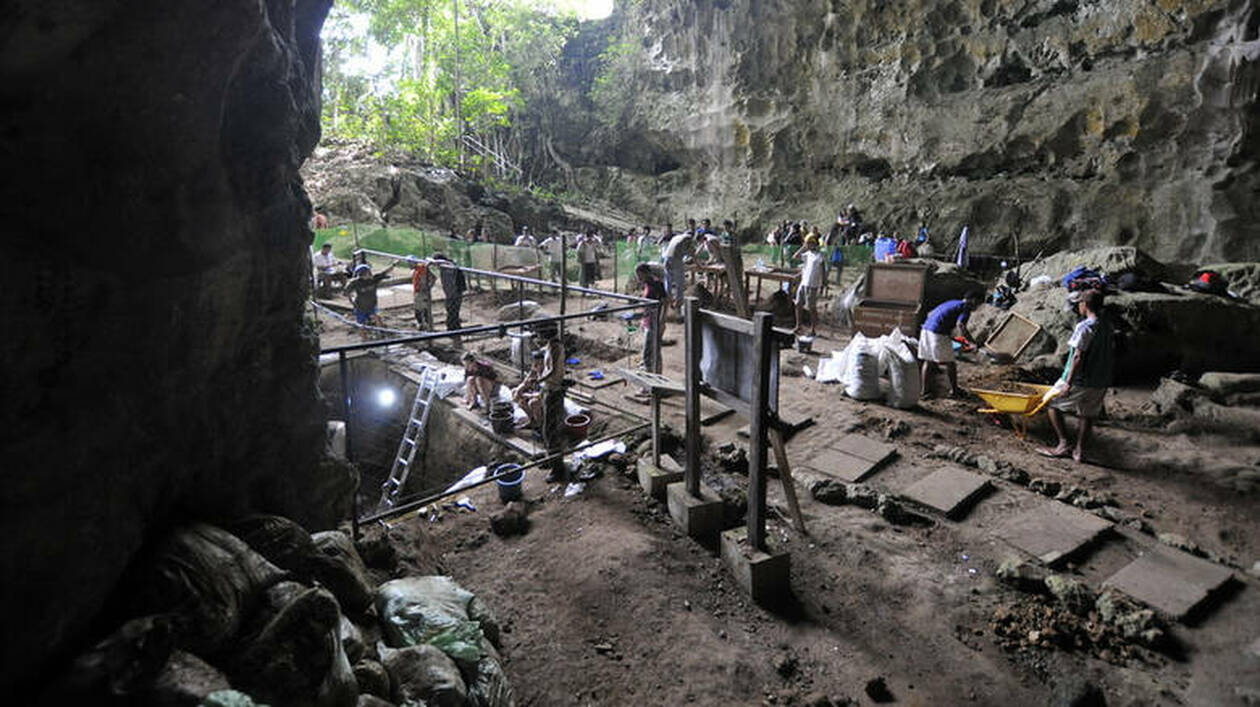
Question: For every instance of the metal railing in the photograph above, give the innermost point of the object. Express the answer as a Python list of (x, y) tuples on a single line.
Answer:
[(634, 303)]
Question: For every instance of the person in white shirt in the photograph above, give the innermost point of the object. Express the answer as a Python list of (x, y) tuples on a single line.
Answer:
[(588, 256), (328, 270), (811, 283), (525, 240), (679, 247), (555, 253)]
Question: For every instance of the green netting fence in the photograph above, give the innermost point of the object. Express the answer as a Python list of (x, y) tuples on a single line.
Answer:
[(489, 256)]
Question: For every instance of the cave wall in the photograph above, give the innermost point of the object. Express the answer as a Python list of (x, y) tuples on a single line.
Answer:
[(1064, 122), (156, 365)]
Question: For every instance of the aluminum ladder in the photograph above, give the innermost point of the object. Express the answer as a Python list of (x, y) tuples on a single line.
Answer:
[(413, 436)]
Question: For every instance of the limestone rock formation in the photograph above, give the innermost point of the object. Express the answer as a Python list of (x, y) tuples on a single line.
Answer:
[(351, 184), (1065, 123), (156, 362)]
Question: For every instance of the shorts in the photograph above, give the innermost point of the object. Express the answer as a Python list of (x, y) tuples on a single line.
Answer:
[(807, 297), (1080, 401), (364, 317), (937, 348)]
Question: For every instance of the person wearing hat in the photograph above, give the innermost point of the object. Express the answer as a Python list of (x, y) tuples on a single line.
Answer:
[(1086, 377), (362, 291), (811, 283), (936, 346), (422, 293)]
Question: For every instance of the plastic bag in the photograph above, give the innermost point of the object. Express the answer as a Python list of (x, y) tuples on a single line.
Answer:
[(904, 381), (861, 376)]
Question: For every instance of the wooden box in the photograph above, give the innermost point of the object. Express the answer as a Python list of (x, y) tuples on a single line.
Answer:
[(892, 298)]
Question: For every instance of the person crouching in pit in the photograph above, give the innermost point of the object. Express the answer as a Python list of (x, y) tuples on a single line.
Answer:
[(936, 345), (481, 379)]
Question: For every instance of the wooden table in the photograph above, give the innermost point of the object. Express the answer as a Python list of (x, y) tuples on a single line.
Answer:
[(712, 272), (793, 278)]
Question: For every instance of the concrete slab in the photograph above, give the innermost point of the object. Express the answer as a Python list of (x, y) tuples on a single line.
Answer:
[(765, 576), (864, 447), (1169, 580), (840, 465), (1052, 531), (653, 479), (948, 491), (698, 517)]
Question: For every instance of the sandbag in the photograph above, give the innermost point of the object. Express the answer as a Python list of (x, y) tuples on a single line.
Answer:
[(295, 653), (337, 565), (209, 579), (488, 685), (438, 612), (415, 610), (423, 674), (283, 542), (905, 383), (861, 376)]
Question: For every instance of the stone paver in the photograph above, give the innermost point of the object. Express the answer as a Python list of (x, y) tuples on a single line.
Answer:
[(949, 491), (1169, 580), (1052, 531)]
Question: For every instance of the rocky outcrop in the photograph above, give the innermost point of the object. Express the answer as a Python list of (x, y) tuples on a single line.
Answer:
[(156, 364), (1064, 122), (350, 183)]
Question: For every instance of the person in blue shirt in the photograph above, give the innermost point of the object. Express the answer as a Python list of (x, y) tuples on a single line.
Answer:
[(1086, 377), (936, 343)]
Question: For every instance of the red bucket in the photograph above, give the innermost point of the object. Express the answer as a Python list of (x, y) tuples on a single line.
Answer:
[(576, 426)]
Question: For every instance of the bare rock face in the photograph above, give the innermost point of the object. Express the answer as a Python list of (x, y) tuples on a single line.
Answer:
[(156, 363), (1070, 123)]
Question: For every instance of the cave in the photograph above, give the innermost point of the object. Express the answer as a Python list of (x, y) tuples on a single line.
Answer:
[(169, 392)]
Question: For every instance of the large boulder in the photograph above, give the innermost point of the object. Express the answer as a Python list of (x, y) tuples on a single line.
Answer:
[(1156, 332), (1109, 259), (174, 378)]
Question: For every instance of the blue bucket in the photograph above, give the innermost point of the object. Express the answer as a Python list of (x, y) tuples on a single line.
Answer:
[(509, 485)]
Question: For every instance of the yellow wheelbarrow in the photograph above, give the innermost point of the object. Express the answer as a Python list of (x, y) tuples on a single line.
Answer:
[(1021, 405)]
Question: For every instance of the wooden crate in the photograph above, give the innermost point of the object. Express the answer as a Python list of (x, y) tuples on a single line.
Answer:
[(892, 298)]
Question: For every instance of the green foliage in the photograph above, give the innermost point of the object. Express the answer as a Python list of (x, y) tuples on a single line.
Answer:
[(435, 79), (614, 90)]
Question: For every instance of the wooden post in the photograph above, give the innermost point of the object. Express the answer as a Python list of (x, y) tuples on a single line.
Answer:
[(734, 261), (691, 325), (659, 310), (785, 476), (758, 427), (494, 265)]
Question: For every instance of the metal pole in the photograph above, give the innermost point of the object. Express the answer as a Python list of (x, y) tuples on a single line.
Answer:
[(691, 324), (412, 505), (758, 426), (522, 278), (348, 398), (564, 278), (658, 312), (468, 331)]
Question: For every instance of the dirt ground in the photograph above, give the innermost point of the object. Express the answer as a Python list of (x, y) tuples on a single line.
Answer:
[(606, 602)]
